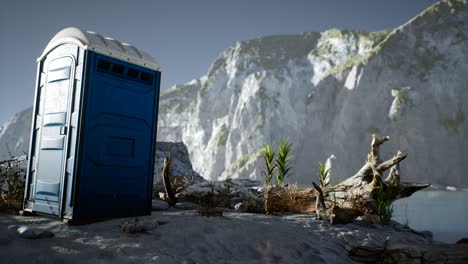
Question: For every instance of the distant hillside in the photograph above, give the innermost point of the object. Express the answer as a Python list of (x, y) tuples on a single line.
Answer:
[(14, 135)]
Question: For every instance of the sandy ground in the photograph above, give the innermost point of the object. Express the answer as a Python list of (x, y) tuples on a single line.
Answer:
[(189, 238)]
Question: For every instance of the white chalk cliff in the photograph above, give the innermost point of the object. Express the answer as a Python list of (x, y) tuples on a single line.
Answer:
[(328, 92)]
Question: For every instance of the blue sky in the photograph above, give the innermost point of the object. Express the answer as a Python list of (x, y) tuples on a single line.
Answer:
[(184, 36)]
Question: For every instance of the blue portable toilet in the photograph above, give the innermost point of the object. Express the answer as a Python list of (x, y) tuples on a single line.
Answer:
[(93, 130)]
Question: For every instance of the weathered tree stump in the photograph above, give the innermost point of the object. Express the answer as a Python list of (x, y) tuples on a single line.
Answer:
[(334, 214), (355, 195)]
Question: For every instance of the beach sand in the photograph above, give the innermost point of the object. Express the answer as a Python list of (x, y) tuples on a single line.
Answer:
[(185, 237)]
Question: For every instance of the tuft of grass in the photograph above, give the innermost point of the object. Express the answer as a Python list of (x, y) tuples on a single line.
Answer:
[(384, 208), (269, 156), (283, 160)]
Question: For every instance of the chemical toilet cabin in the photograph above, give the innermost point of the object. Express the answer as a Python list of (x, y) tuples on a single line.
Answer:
[(93, 131)]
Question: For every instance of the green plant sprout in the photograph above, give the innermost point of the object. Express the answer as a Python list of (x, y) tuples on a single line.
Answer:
[(269, 157), (282, 161), (324, 175)]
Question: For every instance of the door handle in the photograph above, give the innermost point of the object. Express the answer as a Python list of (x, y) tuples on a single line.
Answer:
[(63, 130)]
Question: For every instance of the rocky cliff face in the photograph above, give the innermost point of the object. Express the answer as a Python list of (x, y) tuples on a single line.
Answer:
[(328, 92)]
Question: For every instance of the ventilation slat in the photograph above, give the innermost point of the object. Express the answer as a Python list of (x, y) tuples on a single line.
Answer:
[(58, 74), (52, 143), (127, 73), (55, 119)]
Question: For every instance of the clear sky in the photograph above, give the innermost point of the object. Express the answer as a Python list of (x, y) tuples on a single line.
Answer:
[(184, 36)]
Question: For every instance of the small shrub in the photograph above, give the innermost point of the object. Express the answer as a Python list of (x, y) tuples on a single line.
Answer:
[(269, 157), (226, 185), (282, 161), (384, 208), (12, 181)]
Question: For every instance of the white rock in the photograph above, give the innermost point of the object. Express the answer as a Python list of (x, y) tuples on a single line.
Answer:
[(238, 206), (34, 232), (451, 188)]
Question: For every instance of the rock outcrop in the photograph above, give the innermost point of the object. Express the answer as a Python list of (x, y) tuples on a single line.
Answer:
[(14, 135)]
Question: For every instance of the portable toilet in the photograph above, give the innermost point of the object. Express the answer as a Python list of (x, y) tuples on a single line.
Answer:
[(93, 130)]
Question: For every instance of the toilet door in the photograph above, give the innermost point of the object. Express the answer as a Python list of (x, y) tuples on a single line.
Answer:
[(53, 136)]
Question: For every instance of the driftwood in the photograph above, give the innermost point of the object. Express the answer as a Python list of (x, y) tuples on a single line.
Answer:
[(355, 195), (171, 199), (334, 214), (411, 253)]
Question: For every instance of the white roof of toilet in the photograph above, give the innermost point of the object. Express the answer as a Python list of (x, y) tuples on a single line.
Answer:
[(105, 45)]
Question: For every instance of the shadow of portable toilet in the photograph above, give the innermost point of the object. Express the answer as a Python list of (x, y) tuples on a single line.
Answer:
[(94, 129)]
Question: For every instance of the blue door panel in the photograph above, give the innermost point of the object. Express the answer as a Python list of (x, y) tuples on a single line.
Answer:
[(118, 135)]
